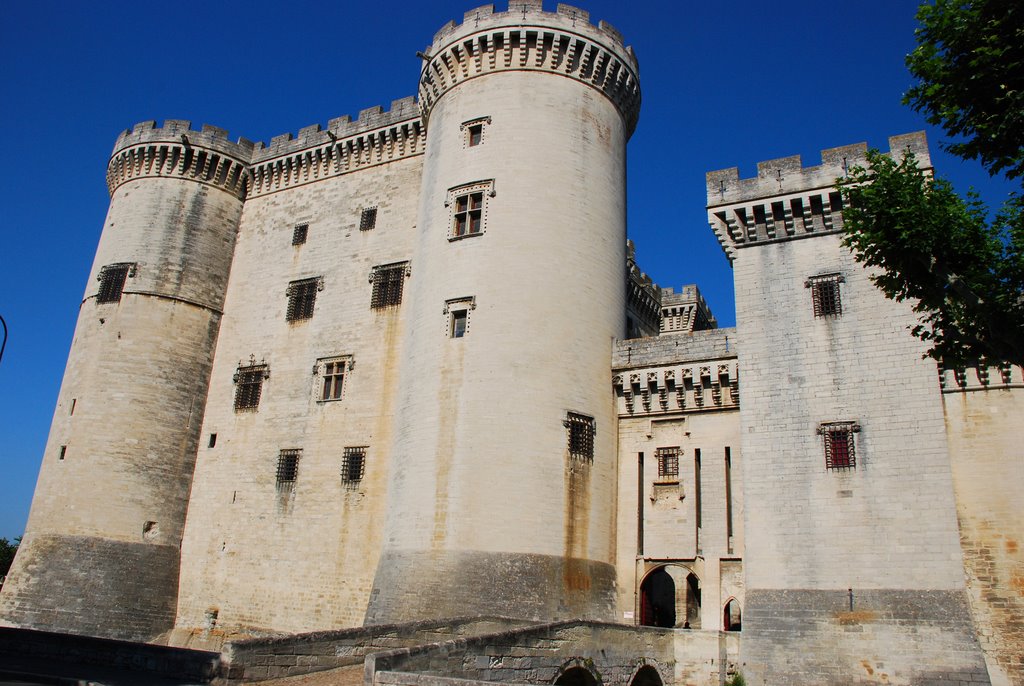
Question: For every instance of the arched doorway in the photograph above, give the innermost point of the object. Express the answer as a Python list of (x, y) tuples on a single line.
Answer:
[(646, 676), (732, 619), (692, 601), (576, 676), (658, 599)]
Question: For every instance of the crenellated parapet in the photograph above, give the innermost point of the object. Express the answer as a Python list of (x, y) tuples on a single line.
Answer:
[(643, 298), (982, 377), (526, 38), (375, 137), (175, 150), (788, 201)]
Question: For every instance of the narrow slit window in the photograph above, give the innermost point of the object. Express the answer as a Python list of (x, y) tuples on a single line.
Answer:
[(580, 431), (839, 443), (825, 295), (668, 462), (368, 219), (353, 464), (299, 234), (302, 298)]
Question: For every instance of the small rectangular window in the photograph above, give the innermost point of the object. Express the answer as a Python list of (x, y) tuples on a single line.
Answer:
[(302, 298), (288, 466), (476, 133), (249, 385), (112, 278), (63, 452), (473, 130), (668, 462), (334, 380), (387, 281), (468, 214), (580, 435), (353, 463), (459, 318), (368, 219), (213, 440), (840, 447), (299, 234), (825, 294)]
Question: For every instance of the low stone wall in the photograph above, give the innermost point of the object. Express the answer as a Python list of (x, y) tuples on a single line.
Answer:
[(257, 659), (42, 652), (539, 654)]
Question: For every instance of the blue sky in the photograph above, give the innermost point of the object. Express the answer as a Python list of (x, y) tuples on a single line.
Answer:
[(724, 84)]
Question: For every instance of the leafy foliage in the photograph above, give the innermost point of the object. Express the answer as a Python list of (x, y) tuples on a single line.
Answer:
[(964, 274), (7, 551), (970, 65), (736, 680)]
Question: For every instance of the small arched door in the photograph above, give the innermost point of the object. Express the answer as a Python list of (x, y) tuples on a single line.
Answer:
[(658, 599)]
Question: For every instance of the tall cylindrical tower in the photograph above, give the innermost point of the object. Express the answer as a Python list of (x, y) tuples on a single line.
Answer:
[(100, 554), (502, 493)]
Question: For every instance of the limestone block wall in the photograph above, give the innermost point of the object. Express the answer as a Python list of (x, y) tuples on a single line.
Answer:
[(983, 407), (100, 554), (852, 571), (259, 552), (692, 519)]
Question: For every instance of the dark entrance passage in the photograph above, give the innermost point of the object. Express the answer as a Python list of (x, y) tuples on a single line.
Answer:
[(576, 676), (646, 676), (658, 600)]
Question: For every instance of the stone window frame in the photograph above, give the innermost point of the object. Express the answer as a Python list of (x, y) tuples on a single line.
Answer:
[(826, 296), (454, 201), (300, 233), (580, 431), (353, 464), (248, 381), (454, 306), (368, 218), (112, 278), (839, 443), (668, 462), (302, 298), (473, 131), (388, 284), (326, 369)]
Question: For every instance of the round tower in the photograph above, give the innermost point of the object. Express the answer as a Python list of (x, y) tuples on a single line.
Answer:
[(100, 553), (502, 493)]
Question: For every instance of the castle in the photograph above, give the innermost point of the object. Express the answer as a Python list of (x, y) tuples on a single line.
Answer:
[(406, 368)]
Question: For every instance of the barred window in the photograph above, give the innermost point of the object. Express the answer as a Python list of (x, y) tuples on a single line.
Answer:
[(825, 294), (299, 234), (580, 435), (112, 278), (839, 443), (668, 461), (302, 298), (249, 385), (288, 466), (353, 463), (368, 219), (388, 280)]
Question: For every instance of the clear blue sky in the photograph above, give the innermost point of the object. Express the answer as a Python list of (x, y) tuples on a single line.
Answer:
[(724, 84)]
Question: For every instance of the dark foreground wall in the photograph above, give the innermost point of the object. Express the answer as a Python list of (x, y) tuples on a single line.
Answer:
[(799, 637)]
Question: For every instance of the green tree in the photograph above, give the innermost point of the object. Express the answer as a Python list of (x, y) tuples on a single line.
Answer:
[(7, 551), (964, 273), (969, 63)]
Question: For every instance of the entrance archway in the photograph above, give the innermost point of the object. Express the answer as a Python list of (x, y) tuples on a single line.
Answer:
[(658, 599), (732, 619), (646, 676), (576, 676)]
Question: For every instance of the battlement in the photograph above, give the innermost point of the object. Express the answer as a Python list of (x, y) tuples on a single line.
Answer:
[(788, 175), (527, 38), (181, 131), (314, 135)]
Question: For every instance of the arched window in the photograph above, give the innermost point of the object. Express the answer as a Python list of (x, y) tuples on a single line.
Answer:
[(732, 619)]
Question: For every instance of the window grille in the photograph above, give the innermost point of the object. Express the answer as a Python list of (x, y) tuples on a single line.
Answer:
[(668, 461), (368, 219), (353, 463), (387, 281), (580, 435), (334, 379), (288, 466), (825, 295), (299, 234), (302, 298), (249, 385), (840, 447), (112, 278)]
